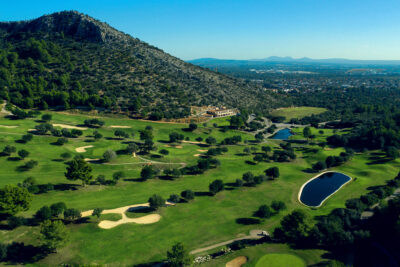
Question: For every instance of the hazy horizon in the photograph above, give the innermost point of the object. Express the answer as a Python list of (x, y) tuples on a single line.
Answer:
[(361, 30)]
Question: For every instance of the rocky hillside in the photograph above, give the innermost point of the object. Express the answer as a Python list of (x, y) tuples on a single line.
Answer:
[(68, 59)]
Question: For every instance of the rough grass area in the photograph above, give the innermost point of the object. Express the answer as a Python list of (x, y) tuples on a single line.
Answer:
[(297, 112)]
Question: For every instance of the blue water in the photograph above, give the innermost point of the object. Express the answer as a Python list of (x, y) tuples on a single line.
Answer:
[(283, 134), (315, 191)]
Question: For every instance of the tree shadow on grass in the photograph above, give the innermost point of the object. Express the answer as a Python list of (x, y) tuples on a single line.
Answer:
[(250, 162), (14, 159), (248, 221), (378, 160), (203, 194), (135, 180), (309, 170), (66, 187), (150, 264), (19, 253)]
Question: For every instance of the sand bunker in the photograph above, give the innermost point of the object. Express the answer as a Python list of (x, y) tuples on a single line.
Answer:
[(120, 126), (237, 262), (173, 146), (202, 150), (8, 126), (192, 142), (69, 127), (90, 160), (82, 149), (148, 219), (197, 155)]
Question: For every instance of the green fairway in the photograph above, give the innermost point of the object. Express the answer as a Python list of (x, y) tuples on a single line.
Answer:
[(297, 112), (219, 216), (280, 260)]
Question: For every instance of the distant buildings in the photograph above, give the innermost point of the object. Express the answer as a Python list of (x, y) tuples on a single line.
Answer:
[(212, 111)]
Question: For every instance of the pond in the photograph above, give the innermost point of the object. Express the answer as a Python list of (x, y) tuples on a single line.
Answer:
[(318, 189), (283, 134)]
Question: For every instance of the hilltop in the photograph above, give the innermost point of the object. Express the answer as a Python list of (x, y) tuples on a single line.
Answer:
[(68, 60)]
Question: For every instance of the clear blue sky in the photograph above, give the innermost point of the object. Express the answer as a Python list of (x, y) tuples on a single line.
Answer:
[(242, 29)]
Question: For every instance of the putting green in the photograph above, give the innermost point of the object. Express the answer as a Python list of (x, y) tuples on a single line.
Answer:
[(280, 260)]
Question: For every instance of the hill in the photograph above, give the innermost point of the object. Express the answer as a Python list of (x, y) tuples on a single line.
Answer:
[(70, 60)]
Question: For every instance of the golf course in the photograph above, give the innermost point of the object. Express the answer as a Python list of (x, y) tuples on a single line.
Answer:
[(127, 232)]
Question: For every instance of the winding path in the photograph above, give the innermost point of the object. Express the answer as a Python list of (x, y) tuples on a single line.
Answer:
[(254, 234)]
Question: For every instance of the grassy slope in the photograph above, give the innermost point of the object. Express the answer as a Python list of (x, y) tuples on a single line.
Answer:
[(297, 112), (216, 216)]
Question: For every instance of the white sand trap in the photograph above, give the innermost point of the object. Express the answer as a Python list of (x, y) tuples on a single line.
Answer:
[(197, 155), (8, 126), (69, 127), (90, 160), (236, 262), (82, 149), (147, 219), (120, 126), (202, 150), (192, 142)]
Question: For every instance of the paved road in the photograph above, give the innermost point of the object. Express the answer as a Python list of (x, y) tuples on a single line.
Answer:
[(254, 234)]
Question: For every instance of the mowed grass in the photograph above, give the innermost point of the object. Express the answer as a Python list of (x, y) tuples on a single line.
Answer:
[(204, 221), (280, 260), (297, 112)]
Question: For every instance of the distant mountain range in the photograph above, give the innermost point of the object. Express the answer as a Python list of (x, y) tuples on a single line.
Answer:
[(274, 59)]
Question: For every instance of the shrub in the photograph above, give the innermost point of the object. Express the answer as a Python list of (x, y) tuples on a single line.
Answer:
[(263, 212), (44, 213), (187, 195), (278, 205), (66, 155), (239, 183), (164, 152), (46, 117), (156, 201), (15, 221), (174, 198), (97, 212), (72, 214), (216, 186), (118, 175), (61, 141), (23, 153), (109, 155)]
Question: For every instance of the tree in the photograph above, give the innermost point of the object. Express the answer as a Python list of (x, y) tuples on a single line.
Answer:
[(259, 136), (43, 214), (156, 201), (248, 177), (263, 212), (109, 155), (246, 150), (72, 214), (211, 140), (175, 137), (8, 150), (97, 135), (66, 155), (178, 256), (294, 227), (187, 195), (392, 152), (319, 166), (164, 152), (121, 134), (14, 199), (118, 175), (216, 186), (23, 153), (57, 209), (278, 205), (132, 148), (307, 132), (258, 158), (239, 183), (46, 117), (147, 146), (174, 198), (78, 169), (97, 212), (53, 234), (61, 141), (272, 172), (27, 137), (147, 172), (266, 149), (192, 126)]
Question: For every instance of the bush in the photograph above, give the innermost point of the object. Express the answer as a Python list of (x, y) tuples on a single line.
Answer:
[(57, 209), (15, 221), (174, 198), (61, 141), (97, 212), (66, 155), (187, 195), (164, 152), (263, 212), (278, 205), (239, 183), (72, 214), (156, 201), (118, 175), (216, 186), (23, 153), (27, 137), (46, 117), (30, 164), (147, 172), (44, 213), (109, 155)]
